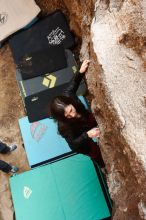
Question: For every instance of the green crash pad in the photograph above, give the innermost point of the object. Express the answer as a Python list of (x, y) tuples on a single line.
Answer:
[(68, 189)]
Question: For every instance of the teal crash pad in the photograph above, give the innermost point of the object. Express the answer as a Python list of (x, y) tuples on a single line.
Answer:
[(68, 189)]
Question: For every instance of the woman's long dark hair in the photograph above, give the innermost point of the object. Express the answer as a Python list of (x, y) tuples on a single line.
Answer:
[(57, 110)]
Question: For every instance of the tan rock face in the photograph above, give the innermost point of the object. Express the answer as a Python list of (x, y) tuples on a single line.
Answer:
[(113, 36), (119, 36)]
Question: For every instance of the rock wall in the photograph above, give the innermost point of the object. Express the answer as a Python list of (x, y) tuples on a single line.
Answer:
[(119, 39)]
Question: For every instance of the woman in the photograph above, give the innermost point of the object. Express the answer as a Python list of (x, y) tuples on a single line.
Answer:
[(76, 124)]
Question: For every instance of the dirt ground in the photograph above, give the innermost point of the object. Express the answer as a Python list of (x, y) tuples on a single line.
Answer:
[(11, 109)]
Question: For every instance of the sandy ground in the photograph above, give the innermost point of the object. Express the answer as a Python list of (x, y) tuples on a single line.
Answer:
[(11, 109)]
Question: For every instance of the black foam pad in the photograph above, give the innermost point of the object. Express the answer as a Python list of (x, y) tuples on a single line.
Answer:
[(50, 31), (42, 62)]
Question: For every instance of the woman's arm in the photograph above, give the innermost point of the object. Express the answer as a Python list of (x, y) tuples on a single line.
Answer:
[(80, 141), (76, 142), (75, 81)]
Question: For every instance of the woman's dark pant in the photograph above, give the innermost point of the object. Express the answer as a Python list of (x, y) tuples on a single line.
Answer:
[(4, 148), (5, 167), (95, 153)]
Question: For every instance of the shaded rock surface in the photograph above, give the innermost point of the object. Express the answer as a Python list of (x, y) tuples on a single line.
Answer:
[(118, 34), (112, 34)]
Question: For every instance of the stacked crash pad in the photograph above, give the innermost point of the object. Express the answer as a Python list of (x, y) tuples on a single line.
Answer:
[(50, 31), (44, 63), (38, 92)]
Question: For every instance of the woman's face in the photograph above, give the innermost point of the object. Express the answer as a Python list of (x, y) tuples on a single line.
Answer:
[(70, 112)]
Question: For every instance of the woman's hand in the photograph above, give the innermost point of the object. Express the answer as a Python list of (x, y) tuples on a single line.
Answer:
[(84, 66), (93, 133)]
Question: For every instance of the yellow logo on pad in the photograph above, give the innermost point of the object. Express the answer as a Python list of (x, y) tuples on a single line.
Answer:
[(49, 81)]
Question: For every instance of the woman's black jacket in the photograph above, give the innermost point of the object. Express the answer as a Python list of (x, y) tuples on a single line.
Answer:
[(76, 132)]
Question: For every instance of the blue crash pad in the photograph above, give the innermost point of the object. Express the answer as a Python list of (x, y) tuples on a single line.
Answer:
[(41, 141), (83, 100)]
